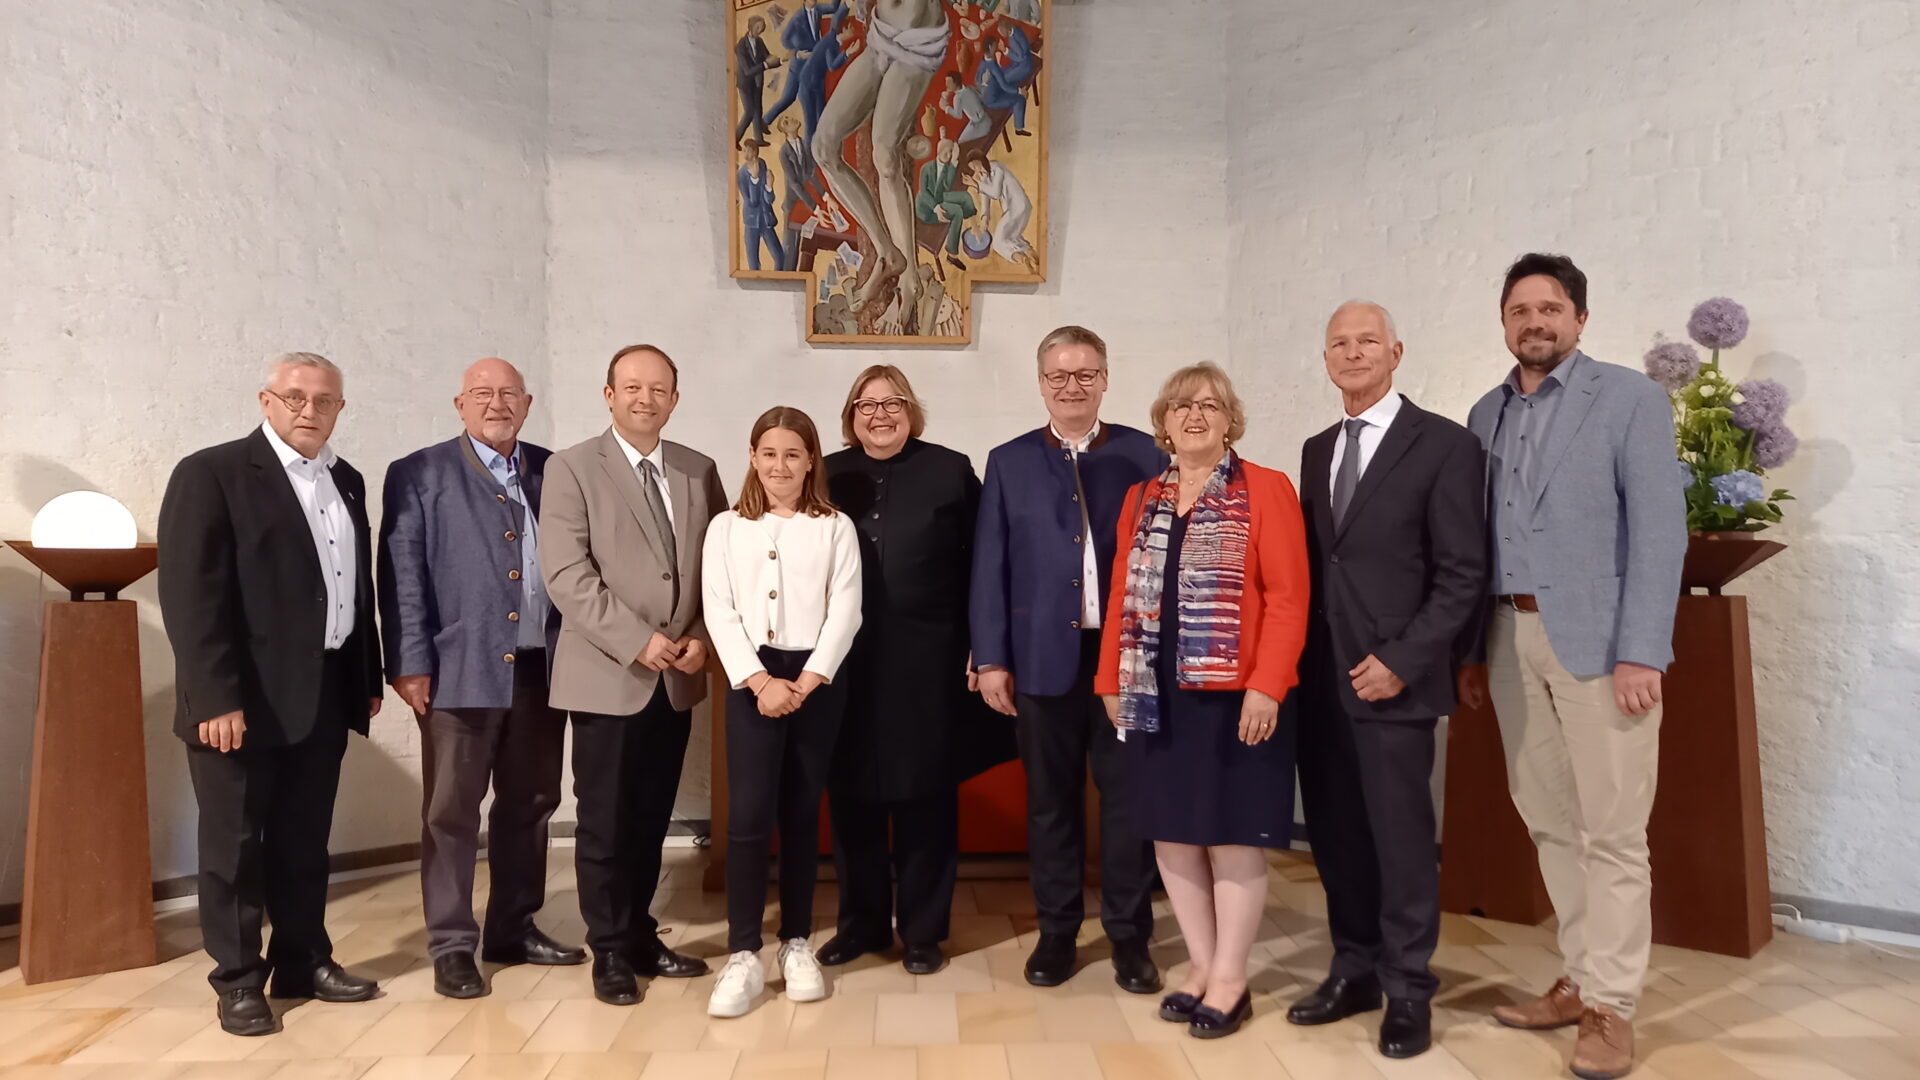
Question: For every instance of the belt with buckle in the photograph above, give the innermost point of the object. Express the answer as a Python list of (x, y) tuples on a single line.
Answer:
[(1519, 602)]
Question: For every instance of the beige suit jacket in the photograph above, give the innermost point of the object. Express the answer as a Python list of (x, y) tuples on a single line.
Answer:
[(607, 573)]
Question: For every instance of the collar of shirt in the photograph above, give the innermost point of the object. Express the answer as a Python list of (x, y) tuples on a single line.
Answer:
[(1079, 446), (289, 456), (1381, 413), (1560, 375), (495, 461), (658, 456)]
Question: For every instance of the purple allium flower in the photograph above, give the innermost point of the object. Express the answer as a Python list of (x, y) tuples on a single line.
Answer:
[(1718, 323), (1764, 406), (1672, 364), (1738, 488), (1774, 446), (1686, 475)]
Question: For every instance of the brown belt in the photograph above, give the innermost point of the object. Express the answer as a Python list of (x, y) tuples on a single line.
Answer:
[(1519, 602)]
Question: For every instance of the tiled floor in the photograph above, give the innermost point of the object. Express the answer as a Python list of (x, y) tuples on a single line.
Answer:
[(1799, 1011)]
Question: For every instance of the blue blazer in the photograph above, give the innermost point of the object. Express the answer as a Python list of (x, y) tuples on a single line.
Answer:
[(445, 589), (1028, 555)]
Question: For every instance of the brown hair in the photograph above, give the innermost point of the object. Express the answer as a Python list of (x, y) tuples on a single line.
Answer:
[(916, 412), (1182, 384), (814, 502), (655, 350), (1070, 335)]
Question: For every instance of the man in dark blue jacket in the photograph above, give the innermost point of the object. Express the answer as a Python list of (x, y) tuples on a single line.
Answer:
[(468, 624), (1043, 561)]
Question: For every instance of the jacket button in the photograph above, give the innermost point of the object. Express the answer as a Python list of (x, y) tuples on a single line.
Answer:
[(1074, 498), (1333, 558), (508, 658), (1075, 624), (501, 498), (513, 575), (773, 594), (513, 616), (1076, 539), (1076, 583), (511, 535), (769, 635), (666, 577), (773, 554)]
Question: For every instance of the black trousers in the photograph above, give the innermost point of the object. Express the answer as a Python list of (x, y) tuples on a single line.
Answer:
[(519, 749), (1058, 738), (1369, 810), (776, 773), (626, 770), (914, 883), (265, 816)]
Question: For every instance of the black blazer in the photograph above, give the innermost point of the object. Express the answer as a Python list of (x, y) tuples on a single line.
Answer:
[(242, 597), (1407, 571)]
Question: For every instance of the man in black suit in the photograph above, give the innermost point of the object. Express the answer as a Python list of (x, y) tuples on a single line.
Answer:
[(751, 62), (1397, 544), (266, 590)]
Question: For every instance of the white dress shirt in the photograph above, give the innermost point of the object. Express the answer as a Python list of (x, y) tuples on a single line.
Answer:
[(1089, 564), (332, 530), (659, 460), (1378, 419), (791, 583)]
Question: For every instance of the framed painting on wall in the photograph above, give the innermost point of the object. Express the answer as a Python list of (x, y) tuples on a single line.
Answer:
[(889, 154)]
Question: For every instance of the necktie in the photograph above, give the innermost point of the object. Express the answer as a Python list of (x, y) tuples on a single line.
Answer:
[(1348, 477), (657, 506)]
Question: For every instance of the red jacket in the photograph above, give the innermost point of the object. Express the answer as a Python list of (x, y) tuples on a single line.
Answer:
[(1273, 605)]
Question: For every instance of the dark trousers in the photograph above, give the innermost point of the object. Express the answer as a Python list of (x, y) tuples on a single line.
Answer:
[(626, 770), (776, 772), (916, 882), (1369, 809), (265, 815), (519, 749), (750, 111), (1058, 738)]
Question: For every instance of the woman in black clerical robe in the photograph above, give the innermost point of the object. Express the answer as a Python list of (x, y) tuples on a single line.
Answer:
[(913, 729)]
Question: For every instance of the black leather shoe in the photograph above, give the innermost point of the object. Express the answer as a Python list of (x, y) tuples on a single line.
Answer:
[(613, 979), (455, 975), (1335, 1000), (1133, 969), (537, 949), (653, 958), (1213, 1024), (246, 1012), (1178, 1007), (1052, 961), (1407, 1029), (846, 948), (326, 982), (924, 959)]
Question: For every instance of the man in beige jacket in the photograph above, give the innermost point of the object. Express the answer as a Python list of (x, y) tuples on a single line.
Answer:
[(622, 522)]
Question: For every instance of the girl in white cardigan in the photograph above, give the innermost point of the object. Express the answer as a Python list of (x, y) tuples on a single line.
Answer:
[(781, 584)]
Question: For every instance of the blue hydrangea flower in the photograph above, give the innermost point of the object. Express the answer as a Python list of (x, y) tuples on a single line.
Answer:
[(1672, 364), (1764, 404), (1774, 446), (1718, 323), (1738, 488)]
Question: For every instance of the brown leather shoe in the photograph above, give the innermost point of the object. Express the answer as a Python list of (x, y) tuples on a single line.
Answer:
[(1605, 1048), (1556, 1008)]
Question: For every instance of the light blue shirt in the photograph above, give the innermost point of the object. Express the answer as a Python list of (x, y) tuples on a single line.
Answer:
[(1518, 444), (533, 590)]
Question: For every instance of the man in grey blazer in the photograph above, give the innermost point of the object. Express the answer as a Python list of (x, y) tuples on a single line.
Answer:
[(1588, 531), (467, 623), (622, 522)]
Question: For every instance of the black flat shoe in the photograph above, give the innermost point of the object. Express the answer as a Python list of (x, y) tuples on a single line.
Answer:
[(455, 975), (846, 948), (1178, 1007), (1133, 969), (537, 949), (924, 959), (327, 981), (246, 1012), (613, 979), (1052, 961), (1407, 1029), (1213, 1024), (1335, 1000), (654, 959)]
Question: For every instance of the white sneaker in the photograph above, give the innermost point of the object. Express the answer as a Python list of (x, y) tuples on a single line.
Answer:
[(805, 980), (739, 983)]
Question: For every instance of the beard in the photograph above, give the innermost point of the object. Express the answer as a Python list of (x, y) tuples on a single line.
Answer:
[(1541, 353)]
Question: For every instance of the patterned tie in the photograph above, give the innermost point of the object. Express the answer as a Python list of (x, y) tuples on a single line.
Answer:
[(1348, 477), (657, 506)]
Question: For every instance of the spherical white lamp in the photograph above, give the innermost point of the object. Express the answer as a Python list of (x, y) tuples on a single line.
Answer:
[(84, 519)]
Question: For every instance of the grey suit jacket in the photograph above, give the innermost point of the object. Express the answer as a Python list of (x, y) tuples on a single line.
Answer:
[(607, 573), (1610, 523)]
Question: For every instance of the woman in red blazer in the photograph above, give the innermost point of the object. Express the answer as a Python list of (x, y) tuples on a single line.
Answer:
[(1198, 658)]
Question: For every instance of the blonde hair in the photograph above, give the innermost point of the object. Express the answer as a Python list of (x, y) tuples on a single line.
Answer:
[(1183, 384), (1070, 335), (916, 412), (814, 502)]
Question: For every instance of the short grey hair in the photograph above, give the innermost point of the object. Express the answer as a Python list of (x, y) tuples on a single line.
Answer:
[(301, 359), (1070, 335), (1393, 335)]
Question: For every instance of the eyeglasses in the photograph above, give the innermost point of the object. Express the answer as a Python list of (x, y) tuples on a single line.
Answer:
[(485, 395), (1058, 379), (1208, 407), (892, 406), (324, 405)]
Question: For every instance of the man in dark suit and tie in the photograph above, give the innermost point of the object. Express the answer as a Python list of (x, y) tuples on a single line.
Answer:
[(1043, 561), (623, 519), (751, 62), (467, 621), (1396, 541), (266, 590)]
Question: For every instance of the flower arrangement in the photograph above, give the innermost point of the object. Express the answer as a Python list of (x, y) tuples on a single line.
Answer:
[(1727, 435)]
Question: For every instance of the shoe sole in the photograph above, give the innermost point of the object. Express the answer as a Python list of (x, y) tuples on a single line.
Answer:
[(1589, 1074), (1213, 1033), (726, 1013), (1291, 1019), (1175, 1016), (807, 994), (1142, 989), (461, 995), (1402, 1055), (1504, 1022), (1046, 980)]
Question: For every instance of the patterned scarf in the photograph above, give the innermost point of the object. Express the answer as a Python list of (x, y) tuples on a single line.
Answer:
[(1212, 574)]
